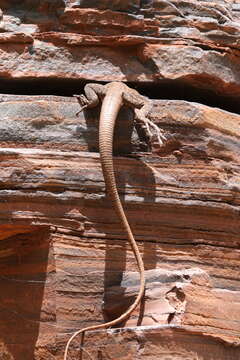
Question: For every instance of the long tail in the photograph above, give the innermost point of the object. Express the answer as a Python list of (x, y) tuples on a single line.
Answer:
[(108, 116)]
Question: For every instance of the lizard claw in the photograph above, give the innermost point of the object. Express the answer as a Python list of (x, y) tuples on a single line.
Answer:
[(83, 101), (150, 127)]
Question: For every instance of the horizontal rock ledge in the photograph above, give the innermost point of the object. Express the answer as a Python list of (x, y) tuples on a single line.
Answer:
[(207, 69), (177, 342)]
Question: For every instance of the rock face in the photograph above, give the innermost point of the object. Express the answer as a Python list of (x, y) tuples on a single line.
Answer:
[(64, 259), (192, 42)]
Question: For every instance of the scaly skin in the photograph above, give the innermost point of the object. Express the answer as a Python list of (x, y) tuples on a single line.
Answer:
[(113, 100)]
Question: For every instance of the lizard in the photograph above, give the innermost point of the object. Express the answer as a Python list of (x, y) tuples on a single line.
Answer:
[(113, 96)]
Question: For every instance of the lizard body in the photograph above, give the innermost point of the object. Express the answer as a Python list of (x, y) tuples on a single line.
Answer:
[(114, 95)]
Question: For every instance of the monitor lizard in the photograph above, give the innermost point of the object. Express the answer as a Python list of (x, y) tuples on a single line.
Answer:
[(113, 96)]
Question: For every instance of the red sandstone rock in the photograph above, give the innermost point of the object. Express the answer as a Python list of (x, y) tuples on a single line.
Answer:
[(194, 42), (184, 215), (64, 259)]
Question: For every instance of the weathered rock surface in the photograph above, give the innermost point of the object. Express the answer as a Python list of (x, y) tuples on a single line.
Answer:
[(192, 42), (63, 252), (64, 259)]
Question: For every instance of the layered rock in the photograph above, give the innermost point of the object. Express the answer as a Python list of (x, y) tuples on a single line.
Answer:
[(192, 42), (63, 251), (64, 259)]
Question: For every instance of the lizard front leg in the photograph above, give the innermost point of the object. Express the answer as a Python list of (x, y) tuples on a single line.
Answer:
[(142, 107), (141, 116), (91, 97)]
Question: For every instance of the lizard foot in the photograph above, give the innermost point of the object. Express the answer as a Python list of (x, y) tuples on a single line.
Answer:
[(83, 101), (150, 128)]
